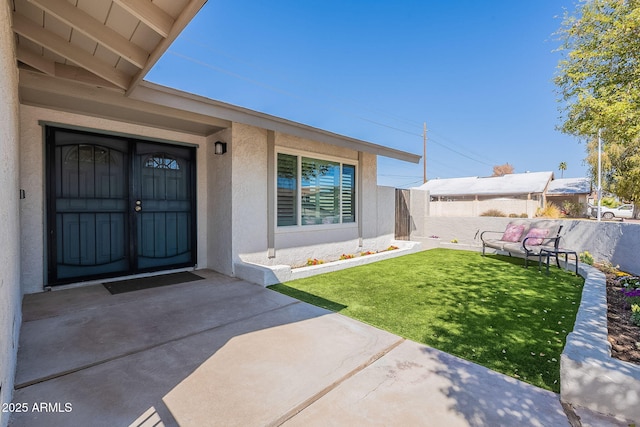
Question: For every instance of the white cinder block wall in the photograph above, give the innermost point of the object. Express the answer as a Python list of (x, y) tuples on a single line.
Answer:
[(10, 294)]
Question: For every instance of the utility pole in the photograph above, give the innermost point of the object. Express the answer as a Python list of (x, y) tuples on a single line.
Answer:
[(424, 158)]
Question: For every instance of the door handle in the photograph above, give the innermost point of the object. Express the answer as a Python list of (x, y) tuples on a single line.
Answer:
[(138, 206)]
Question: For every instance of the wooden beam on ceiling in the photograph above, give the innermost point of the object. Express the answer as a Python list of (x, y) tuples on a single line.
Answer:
[(187, 14), (58, 45), (38, 62), (94, 29), (154, 17), (81, 75)]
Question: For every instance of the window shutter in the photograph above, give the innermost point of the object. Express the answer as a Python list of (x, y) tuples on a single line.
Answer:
[(287, 189), (348, 193)]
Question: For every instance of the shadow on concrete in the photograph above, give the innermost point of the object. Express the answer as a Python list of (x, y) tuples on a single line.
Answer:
[(307, 297), (487, 398), (218, 351)]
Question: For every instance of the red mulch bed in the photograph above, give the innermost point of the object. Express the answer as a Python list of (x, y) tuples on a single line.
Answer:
[(624, 336)]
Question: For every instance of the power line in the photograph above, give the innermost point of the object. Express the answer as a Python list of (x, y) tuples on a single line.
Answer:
[(295, 96)]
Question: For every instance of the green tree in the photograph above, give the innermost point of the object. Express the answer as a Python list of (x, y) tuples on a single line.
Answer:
[(562, 167), (598, 82)]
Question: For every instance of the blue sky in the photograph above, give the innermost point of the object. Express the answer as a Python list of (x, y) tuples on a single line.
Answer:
[(478, 73)]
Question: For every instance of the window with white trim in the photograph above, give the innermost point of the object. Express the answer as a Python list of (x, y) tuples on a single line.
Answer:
[(314, 191)]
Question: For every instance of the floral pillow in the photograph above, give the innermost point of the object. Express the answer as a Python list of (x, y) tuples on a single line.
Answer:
[(512, 233), (536, 235)]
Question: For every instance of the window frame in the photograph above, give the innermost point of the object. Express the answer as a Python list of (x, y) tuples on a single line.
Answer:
[(300, 154)]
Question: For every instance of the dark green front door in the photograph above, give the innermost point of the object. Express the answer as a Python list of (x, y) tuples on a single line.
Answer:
[(117, 206)]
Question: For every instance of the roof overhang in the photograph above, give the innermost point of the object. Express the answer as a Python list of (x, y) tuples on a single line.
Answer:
[(65, 95), (166, 108), (162, 95), (106, 43), (90, 57)]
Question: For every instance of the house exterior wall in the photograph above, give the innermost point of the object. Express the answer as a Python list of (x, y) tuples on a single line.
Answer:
[(32, 161), (10, 293), (219, 209), (472, 208), (232, 197), (293, 246)]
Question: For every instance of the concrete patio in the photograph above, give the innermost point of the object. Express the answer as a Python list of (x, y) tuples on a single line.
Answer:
[(221, 351)]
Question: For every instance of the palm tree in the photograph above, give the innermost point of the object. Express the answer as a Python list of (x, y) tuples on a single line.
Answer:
[(562, 167)]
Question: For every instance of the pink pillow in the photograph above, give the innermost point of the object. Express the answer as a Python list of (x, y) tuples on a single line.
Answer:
[(536, 234), (512, 233)]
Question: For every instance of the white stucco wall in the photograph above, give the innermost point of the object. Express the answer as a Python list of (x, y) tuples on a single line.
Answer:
[(294, 245), (386, 211), (32, 159), (10, 294), (219, 212), (249, 190)]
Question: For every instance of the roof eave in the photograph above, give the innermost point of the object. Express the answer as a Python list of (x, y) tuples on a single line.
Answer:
[(163, 95)]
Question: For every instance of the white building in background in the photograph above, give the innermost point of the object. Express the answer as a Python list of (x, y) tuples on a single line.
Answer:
[(518, 194)]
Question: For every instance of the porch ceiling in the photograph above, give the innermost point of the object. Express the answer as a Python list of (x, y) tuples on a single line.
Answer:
[(104, 43)]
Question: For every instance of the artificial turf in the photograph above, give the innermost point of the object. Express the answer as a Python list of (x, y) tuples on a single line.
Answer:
[(489, 310)]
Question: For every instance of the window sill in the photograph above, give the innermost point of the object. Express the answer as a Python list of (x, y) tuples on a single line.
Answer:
[(315, 227)]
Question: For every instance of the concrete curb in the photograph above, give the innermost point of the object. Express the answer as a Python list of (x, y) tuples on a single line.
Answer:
[(589, 376), (270, 275)]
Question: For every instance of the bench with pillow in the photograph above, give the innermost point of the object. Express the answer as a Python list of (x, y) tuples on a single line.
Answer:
[(523, 238)]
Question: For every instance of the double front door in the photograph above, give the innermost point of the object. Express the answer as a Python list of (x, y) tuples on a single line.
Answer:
[(117, 206)]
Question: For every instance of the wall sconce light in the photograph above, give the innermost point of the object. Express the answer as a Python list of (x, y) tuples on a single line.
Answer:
[(220, 147)]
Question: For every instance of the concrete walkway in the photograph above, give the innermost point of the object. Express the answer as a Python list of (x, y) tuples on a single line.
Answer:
[(221, 351)]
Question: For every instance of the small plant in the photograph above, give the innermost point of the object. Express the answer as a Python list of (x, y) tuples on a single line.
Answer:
[(512, 215), (586, 258), (367, 253), (347, 256), (524, 215), (635, 314), (573, 210), (392, 247), (454, 240), (606, 267), (314, 261), (629, 282), (549, 211), (493, 212), (631, 291)]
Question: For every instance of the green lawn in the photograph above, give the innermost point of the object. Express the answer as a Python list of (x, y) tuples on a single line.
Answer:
[(489, 310)]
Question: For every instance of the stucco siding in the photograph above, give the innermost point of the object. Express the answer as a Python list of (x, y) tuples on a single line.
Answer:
[(219, 212), (249, 190), (294, 245), (386, 211), (10, 294), (32, 161), (290, 141)]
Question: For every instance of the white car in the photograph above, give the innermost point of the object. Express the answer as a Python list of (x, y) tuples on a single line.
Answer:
[(622, 211)]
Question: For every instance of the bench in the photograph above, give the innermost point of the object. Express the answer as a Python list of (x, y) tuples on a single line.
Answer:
[(524, 238)]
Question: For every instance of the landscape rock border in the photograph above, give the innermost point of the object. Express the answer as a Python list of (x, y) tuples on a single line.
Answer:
[(589, 376)]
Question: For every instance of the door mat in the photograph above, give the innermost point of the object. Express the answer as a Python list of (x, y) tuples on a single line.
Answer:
[(150, 282)]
